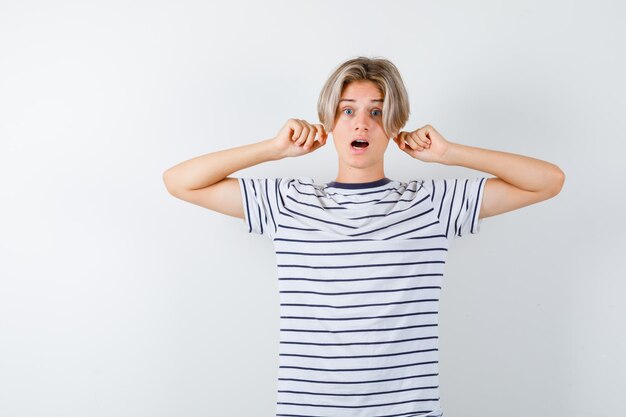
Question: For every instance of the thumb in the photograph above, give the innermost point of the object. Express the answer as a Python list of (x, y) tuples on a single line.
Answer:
[(316, 145), (396, 139)]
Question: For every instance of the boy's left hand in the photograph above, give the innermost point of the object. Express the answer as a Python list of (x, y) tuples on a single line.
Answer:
[(425, 144)]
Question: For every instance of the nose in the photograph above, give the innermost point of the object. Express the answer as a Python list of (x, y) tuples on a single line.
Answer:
[(361, 121)]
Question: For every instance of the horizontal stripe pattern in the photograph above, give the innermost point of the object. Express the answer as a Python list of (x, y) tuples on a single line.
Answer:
[(360, 269)]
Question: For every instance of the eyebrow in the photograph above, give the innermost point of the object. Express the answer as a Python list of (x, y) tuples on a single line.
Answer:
[(378, 100)]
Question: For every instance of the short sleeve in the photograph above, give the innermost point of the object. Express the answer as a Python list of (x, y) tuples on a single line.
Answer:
[(262, 199), (457, 204)]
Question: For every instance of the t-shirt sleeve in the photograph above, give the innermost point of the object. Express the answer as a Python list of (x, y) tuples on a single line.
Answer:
[(457, 204), (262, 200)]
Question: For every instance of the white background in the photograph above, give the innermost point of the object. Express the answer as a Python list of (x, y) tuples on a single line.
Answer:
[(117, 299)]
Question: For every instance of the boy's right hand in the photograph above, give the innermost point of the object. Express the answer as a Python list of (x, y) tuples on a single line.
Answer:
[(298, 137)]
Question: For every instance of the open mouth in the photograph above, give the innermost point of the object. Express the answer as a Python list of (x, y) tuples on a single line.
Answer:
[(360, 144)]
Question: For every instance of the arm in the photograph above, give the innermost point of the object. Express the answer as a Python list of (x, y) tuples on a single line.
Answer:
[(204, 180), (520, 180)]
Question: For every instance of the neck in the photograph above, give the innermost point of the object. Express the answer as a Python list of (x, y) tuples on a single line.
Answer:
[(355, 175)]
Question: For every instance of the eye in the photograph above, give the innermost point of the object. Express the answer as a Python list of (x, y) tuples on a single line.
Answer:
[(376, 110), (346, 109)]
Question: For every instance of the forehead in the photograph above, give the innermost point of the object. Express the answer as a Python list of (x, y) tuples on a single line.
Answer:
[(366, 91)]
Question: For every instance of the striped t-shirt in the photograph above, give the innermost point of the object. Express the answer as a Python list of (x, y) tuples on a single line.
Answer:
[(360, 268)]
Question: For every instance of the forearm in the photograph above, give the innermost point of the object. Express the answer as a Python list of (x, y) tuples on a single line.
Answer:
[(524, 172), (205, 170)]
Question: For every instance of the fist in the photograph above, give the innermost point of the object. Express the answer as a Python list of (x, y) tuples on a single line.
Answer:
[(425, 144), (298, 137)]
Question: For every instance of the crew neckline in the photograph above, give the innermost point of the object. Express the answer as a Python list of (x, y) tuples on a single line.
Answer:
[(355, 185)]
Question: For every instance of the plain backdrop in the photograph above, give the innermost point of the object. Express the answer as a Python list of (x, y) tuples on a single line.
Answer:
[(117, 299)]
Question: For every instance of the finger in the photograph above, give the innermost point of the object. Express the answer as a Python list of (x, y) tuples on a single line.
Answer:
[(398, 141), (403, 145), (419, 143), (322, 133), (424, 140), (310, 138), (317, 144), (297, 130), (416, 146), (411, 140), (414, 142), (401, 140), (428, 129), (304, 133)]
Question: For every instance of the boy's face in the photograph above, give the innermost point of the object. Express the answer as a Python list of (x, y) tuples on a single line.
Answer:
[(359, 115)]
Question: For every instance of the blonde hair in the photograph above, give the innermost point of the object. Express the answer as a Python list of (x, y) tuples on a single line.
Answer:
[(384, 74)]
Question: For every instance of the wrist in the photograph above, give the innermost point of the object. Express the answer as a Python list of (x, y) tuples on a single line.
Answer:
[(450, 156), (270, 150)]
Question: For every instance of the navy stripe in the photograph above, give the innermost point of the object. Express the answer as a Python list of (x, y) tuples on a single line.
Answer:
[(359, 356), (362, 381), (432, 197), (476, 209), (376, 201), (361, 292), (348, 240), (355, 406), (360, 394), (359, 253), (457, 227), (323, 241), (320, 220), (302, 203), (362, 305), (243, 183), (412, 230), (299, 228), (443, 199), (269, 205), (356, 266), (358, 369), (427, 237), (393, 224), (451, 206), (385, 190), (259, 208), (357, 318), (414, 413), (282, 201), (285, 342), (417, 326), (330, 280), (412, 206)]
